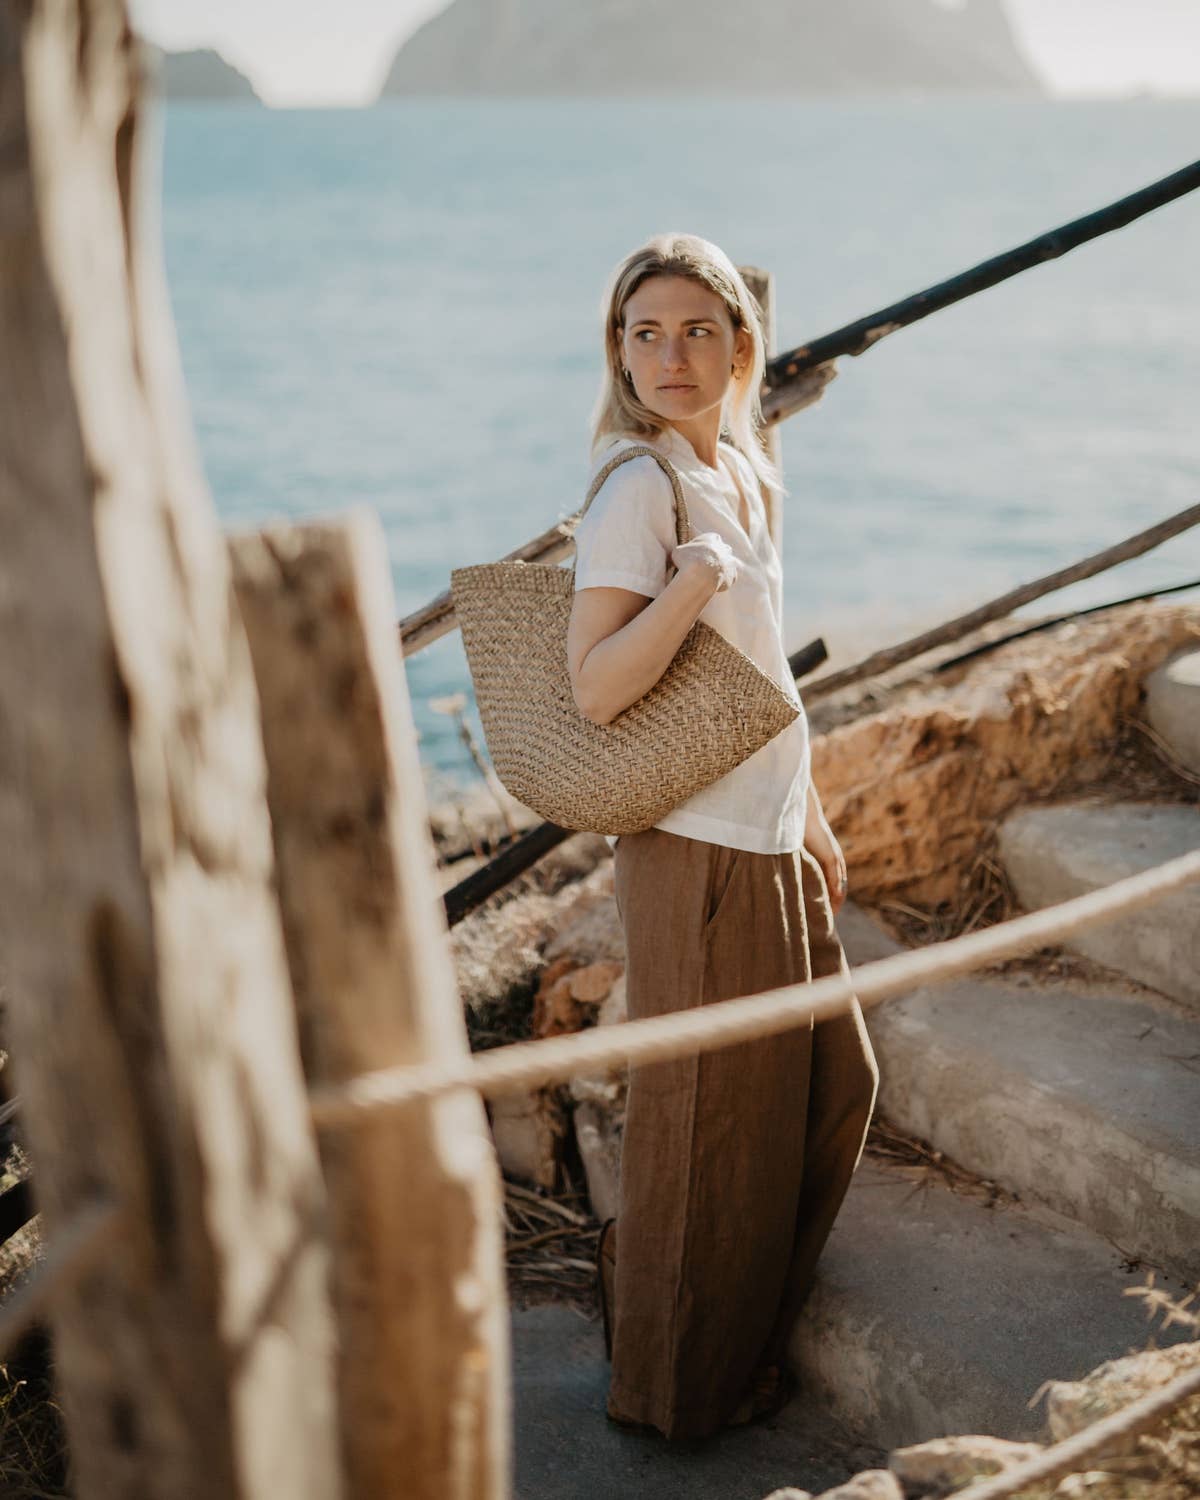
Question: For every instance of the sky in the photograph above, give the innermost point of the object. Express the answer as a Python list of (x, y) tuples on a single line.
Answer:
[(336, 52)]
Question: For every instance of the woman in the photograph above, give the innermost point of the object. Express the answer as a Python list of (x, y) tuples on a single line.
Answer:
[(734, 1163)]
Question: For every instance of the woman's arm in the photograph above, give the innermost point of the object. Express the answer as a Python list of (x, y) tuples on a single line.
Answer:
[(619, 643), (819, 840)]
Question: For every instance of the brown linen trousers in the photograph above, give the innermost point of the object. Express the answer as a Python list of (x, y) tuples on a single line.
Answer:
[(734, 1163)]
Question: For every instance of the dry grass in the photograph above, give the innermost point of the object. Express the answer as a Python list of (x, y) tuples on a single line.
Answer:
[(550, 1247), (984, 897), (33, 1441), (922, 1165)]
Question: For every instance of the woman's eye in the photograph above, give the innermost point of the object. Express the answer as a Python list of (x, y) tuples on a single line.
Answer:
[(707, 332)]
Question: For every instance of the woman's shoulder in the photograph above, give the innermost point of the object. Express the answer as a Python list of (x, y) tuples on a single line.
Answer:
[(641, 474)]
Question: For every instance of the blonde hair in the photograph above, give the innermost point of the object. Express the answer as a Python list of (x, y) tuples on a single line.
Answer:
[(619, 413)]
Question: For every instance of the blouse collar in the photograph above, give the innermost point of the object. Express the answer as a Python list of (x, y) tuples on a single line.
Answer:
[(678, 447)]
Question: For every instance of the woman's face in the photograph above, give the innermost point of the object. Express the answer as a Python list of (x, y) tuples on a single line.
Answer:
[(680, 346)]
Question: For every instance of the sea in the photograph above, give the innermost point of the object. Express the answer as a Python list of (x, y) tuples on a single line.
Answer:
[(399, 308)]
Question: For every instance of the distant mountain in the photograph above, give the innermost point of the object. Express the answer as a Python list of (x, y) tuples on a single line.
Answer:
[(204, 74), (802, 47)]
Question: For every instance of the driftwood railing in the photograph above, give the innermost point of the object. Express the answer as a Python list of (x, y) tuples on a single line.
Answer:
[(864, 333), (789, 383), (524, 851), (793, 381)]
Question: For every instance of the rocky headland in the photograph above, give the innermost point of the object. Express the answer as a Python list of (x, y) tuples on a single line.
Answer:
[(825, 47), (203, 75)]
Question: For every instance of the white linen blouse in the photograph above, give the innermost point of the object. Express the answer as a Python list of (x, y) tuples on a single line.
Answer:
[(625, 539)]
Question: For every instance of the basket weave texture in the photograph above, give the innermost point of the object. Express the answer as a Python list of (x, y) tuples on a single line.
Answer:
[(711, 709)]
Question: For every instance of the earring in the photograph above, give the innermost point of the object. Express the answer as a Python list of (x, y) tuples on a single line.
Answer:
[(627, 375)]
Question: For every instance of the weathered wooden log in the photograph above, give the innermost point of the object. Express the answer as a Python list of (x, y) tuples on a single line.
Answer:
[(985, 648), (502, 869), (437, 618), (147, 994), (785, 370), (797, 378), (414, 1196), (1004, 604), (16, 1209)]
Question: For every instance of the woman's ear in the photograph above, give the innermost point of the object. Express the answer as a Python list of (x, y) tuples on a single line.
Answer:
[(743, 350)]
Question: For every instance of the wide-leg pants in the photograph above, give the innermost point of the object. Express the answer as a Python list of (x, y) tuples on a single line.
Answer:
[(734, 1163)]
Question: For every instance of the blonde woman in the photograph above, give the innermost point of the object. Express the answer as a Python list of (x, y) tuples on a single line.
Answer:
[(735, 1163)]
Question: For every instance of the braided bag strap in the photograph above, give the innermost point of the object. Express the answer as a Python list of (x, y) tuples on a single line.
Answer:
[(683, 525)]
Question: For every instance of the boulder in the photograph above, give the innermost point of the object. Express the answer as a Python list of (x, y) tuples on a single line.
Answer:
[(914, 789), (1173, 706), (504, 945), (529, 1131), (1072, 1405), (598, 1136), (948, 1463)]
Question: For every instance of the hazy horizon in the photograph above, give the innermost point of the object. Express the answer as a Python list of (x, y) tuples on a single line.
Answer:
[(335, 56)]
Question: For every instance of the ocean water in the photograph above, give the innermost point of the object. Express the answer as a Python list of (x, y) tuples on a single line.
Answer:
[(399, 308)]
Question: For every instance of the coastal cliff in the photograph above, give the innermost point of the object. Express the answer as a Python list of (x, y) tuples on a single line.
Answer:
[(818, 47), (203, 74)]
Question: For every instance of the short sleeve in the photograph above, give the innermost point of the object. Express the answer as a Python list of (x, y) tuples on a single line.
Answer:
[(627, 534)]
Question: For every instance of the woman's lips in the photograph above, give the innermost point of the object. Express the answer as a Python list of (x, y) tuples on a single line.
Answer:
[(681, 387)]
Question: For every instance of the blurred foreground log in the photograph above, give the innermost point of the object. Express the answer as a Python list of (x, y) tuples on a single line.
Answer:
[(415, 1194), (147, 994)]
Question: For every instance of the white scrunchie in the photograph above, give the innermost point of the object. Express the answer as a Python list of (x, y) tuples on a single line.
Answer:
[(712, 548)]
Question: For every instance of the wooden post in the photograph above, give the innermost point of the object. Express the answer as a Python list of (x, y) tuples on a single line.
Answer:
[(147, 994), (415, 1202), (762, 284)]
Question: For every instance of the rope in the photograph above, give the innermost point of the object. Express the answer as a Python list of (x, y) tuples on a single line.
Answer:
[(73, 1251), (1065, 1457), (525, 1065)]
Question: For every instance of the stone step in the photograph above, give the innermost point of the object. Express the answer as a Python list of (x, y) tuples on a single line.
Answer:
[(1173, 705), (1055, 852), (567, 1450), (1082, 1093), (934, 1314)]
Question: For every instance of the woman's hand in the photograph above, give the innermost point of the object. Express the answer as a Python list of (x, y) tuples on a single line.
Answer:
[(711, 551), (820, 842)]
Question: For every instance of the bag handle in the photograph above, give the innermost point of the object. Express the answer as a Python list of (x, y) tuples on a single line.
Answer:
[(683, 525)]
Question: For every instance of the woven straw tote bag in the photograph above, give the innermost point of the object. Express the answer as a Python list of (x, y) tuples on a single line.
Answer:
[(711, 709)]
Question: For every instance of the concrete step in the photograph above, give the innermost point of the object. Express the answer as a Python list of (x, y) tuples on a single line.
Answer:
[(1173, 705), (1080, 1093), (934, 1314), (567, 1450), (1055, 852)]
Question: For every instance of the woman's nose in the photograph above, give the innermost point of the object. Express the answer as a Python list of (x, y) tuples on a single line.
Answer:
[(675, 355)]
